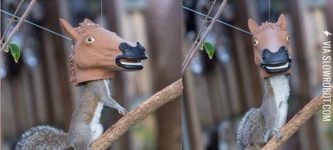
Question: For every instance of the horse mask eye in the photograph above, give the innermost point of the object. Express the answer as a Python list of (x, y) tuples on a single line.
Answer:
[(90, 39), (287, 38), (255, 42)]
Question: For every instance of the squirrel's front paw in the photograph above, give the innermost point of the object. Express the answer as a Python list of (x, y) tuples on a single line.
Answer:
[(122, 110), (270, 133)]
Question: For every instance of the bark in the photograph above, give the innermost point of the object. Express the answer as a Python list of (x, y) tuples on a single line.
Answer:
[(159, 99), (296, 122)]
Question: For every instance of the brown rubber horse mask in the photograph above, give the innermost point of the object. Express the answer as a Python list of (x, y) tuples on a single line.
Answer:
[(271, 47), (98, 53)]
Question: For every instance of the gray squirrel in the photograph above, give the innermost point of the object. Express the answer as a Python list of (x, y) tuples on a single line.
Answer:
[(84, 127), (272, 56), (97, 53), (259, 124)]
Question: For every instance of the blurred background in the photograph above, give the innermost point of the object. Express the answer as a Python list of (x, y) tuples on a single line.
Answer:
[(36, 90), (218, 92)]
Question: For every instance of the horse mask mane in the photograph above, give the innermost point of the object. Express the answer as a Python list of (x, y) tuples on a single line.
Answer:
[(272, 51), (97, 53)]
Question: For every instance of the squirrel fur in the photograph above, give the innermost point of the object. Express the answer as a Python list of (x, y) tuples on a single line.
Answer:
[(84, 127), (260, 124)]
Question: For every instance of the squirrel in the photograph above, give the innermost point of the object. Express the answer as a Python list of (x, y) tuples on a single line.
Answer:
[(84, 127), (259, 124), (97, 53), (272, 56)]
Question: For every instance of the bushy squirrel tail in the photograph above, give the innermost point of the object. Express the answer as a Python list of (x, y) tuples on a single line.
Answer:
[(251, 128), (42, 137)]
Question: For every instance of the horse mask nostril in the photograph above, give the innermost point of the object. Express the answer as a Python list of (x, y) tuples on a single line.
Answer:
[(124, 46), (265, 54)]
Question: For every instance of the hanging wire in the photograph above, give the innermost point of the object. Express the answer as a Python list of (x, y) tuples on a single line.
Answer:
[(102, 13), (219, 21), (269, 10), (48, 30), (36, 25)]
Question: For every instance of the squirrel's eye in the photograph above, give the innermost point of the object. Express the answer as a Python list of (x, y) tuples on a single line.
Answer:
[(90, 39), (287, 38), (255, 42)]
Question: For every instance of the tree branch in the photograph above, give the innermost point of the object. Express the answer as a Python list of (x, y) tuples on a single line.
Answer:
[(203, 25), (195, 48), (18, 25), (11, 20), (296, 122), (162, 97)]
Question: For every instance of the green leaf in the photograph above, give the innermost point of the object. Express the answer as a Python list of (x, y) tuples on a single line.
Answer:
[(15, 51), (209, 48)]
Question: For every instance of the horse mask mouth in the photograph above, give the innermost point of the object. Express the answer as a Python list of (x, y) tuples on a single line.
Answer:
[(276, 63), (131, 56)]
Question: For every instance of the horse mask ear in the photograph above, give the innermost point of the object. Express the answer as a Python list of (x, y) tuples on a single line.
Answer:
[(68, 29), (282, 21), (252, 25)]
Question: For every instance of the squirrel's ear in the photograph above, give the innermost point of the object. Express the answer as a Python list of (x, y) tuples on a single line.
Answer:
[(68, 29), (282, 21), (252, 25)]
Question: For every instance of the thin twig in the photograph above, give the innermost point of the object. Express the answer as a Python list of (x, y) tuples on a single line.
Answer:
[(192, 51), (18, 25), (203, 24), (11, 20), (162, 97), (296, 122)]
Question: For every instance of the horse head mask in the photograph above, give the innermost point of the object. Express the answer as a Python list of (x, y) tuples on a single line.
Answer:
[(272, 52), (98, 53)]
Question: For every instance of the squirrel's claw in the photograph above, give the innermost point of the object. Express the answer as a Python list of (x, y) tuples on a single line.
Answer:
[(272, 132), (122, 110), (277, 134), (113, 104)]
